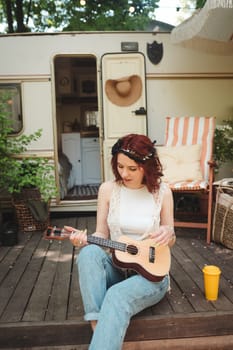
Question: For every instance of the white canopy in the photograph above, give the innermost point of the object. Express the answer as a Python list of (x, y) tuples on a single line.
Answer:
[(209, 29)]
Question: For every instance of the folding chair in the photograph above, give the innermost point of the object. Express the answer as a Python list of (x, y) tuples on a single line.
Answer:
[(188, 167)]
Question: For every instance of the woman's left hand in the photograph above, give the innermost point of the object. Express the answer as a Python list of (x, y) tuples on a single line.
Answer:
[(163, 235), (77, 237)]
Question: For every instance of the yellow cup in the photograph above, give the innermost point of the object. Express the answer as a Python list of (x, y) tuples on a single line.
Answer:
[(211, 281)]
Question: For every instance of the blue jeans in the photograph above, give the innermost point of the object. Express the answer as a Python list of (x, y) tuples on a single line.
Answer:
[(112, 299)]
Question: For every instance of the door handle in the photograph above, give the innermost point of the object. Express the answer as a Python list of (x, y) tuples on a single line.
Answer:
[(140, 111)]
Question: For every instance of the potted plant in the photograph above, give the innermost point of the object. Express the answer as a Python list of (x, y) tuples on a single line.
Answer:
[(27, 178), (223, 143)]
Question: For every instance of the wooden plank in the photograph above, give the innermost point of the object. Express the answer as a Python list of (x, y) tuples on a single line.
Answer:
[(180, 326), (82, 223), (178, 300), (9, 255), (59, 295), (225, 299), (75, 305), (218, 255), (17, 304), (75, 308), (188, 287), (162, 308), (176, 317), (189, 224), (8, 259), (193, 265), (140, 329), (3, 252), (61, 221), (44, 334), (203, 343), (12, 279), (37, 306), (63, 347), (91, 224)]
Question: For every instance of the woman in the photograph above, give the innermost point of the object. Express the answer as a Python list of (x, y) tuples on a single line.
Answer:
[(136, 204)]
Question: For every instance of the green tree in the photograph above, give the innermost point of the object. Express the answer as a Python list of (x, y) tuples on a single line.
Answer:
[(45, 15), (113, 15)]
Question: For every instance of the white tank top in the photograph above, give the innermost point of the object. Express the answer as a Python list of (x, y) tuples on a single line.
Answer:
[(134, 212)]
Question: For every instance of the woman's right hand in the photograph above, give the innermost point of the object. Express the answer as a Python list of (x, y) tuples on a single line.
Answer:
[(78, 237)]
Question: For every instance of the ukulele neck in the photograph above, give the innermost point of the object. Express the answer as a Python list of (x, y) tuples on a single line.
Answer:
[(106, 243)]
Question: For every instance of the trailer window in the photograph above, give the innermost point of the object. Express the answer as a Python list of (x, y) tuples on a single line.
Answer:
[(10, 105)]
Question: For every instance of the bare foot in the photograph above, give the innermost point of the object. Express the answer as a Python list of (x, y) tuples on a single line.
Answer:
[(93, 324)]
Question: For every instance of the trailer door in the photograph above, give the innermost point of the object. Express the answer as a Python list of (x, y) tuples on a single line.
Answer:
[(124, 99)]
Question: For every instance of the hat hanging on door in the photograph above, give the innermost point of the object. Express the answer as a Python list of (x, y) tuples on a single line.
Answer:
[(124, 91)]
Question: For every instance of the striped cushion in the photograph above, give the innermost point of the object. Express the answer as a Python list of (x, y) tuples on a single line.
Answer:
[(180, 163), (189, 185), (190, 131)]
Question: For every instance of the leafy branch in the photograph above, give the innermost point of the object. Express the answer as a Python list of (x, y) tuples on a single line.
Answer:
[(223, 142), (17, 169)]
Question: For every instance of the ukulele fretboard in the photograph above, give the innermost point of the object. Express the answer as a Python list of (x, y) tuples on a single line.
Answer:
[(107, 243)]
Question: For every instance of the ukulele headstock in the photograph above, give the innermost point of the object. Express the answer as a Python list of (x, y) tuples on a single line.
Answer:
[(56, 233)]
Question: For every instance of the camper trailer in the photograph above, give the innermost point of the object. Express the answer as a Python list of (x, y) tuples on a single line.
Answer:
[(65, 84)]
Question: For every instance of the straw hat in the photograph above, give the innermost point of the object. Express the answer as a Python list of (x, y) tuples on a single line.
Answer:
[(124, 91)]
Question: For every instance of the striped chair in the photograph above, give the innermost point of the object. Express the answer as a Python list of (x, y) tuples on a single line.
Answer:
[(188, 131)]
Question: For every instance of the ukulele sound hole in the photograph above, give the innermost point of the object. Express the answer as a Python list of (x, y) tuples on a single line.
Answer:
[(152, 254), (131, 249)]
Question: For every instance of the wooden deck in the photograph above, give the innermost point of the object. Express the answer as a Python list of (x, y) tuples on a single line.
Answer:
[(40, 304)]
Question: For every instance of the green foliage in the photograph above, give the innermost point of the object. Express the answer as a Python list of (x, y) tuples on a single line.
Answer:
[(200, 3), (18, 171), (223, 142), (70, 15), (112, 15)]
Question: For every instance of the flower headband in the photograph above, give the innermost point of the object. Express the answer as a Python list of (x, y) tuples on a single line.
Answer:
[(117, 148)]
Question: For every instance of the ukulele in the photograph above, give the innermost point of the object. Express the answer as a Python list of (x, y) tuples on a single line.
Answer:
[(151, 261)]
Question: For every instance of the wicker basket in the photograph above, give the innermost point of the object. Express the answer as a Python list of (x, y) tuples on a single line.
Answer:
[(223, 217), (27, 193), (25, 218)]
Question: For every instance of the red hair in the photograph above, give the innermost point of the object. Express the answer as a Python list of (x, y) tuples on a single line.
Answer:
[(141, 149)]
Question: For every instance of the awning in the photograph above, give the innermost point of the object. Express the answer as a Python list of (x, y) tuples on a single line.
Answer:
[(209, 29)]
